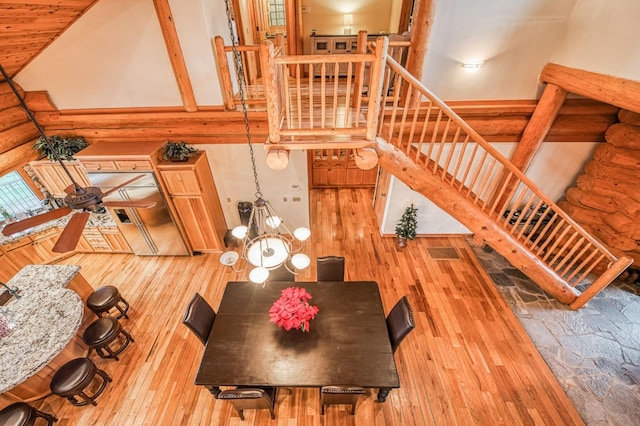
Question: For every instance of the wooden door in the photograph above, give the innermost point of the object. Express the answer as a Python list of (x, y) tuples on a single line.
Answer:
[(197, 222)]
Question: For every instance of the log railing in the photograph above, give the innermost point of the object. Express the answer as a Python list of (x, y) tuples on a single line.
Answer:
[(443, 145)]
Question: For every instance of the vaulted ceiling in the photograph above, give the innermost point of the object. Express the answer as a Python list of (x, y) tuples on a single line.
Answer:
[(28, 27)]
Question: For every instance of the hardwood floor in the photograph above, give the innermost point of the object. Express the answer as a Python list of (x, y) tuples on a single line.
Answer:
[(467, 362)]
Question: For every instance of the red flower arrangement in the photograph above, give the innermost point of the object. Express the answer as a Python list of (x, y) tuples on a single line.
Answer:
[(292, 309)]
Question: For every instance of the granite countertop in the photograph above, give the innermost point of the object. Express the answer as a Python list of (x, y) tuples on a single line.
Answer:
[(44, 319), (101, 220)]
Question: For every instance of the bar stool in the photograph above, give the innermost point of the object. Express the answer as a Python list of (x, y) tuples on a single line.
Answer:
[(104, 299), (74, 377), (102, 333), (22, 414)]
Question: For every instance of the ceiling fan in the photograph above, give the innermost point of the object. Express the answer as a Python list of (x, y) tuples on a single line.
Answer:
[(79, 200)]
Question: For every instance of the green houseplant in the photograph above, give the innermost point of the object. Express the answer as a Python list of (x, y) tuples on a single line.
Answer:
[(65, 147), (406, 226), (177, 151)]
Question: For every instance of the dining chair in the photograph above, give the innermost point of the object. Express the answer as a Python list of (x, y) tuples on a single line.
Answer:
[(333, 395), (330, 268), (198, 317), (251, 399), (281, 273), (400, 322)]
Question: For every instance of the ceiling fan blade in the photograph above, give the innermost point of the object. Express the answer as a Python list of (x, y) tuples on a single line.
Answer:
[(71, 233), (69, 189), (132, 204), (115, 188), (30, 222)]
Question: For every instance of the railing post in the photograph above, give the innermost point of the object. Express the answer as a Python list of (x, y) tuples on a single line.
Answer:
[(358, 82), (601, 282), (270, 82), (223, 73), (375, 86)]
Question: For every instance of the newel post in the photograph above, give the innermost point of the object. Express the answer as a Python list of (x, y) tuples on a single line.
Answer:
[(375, 86), (224, 74), (269, 77)]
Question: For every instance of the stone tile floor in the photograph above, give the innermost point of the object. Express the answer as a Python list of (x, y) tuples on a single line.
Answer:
[(594, 352)]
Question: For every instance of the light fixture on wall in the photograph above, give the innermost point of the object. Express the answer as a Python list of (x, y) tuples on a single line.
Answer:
[(347, 22), (472, 65), (267, 244)]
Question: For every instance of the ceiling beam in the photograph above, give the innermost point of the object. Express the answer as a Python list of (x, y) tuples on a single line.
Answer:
[(165, 17), (604, 88)]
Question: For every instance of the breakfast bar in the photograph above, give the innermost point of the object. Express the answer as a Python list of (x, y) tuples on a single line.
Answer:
[(42, 327)]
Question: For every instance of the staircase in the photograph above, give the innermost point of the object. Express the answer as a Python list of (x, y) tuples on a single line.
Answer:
[(377, 104)]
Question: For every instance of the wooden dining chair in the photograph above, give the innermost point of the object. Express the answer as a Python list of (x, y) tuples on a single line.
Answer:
[(400, 322), (251, 399), (330, 268), (199, 317), (335, 395)]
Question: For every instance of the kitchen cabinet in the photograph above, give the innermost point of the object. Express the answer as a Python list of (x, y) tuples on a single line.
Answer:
[(9, 269), (103, 240), (34, 248), (194, 199), (337, 167), (122, 157), (53, 177)]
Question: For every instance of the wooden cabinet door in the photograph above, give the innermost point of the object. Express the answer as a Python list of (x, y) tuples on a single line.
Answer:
[(9, 269), (28, 254), (197, 222), (181, 182), (55, 179), (116, 241)]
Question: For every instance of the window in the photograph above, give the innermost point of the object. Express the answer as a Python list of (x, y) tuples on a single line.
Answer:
[(277, 16), (16, 198)]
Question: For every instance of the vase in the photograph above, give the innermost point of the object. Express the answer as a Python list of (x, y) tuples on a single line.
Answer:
[(401, 242)]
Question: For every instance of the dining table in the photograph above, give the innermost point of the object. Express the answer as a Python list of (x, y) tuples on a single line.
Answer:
[(347, 342)]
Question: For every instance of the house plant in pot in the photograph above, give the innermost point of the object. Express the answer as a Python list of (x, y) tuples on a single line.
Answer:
[(406, 226), (177, 151), (65, 147)]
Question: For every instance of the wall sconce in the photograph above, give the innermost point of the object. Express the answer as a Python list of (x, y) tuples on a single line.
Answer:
[(472, 65), (348, 21)]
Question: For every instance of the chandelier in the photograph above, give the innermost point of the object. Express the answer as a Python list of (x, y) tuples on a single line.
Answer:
[(267, 244)]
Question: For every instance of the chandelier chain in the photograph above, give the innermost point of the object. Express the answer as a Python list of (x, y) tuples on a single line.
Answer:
[(237, 59)]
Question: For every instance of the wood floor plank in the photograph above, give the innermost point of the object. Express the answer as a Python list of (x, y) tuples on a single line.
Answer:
[(467, 362)]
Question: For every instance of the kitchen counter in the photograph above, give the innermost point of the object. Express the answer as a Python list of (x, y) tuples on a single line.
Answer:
[(44, 320), (102, 220)]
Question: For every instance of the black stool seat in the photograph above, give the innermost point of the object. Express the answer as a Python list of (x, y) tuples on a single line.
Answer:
[(103, 299), (22, 414), (104, 331), (74, 377)]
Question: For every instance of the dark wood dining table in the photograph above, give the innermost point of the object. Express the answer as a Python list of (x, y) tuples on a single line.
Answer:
[(347, 344)]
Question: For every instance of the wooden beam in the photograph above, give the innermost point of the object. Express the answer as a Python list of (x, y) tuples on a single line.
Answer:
[(165, 17), (224, 75), (604, 88), (423, 13), (545, 113), (17, 157)]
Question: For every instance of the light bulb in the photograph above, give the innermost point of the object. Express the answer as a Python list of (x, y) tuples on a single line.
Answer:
[(302, 233), (300, 261), (259, 275), (273, 221), (239, 231)]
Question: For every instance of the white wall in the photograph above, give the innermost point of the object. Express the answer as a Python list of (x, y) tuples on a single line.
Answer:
[(233, 175), (326, 17), (603, 36), (515, 38), (115, 57)]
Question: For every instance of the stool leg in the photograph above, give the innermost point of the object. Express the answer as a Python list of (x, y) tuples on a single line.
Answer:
[(123, 312), (48, 417)]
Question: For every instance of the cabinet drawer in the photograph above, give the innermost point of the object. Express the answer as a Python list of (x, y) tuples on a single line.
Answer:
[(44, 235), (134, 165), (100, 165), (17, 244)]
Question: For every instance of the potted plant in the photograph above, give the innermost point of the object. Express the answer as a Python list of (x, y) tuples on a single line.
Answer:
[(65, 147), (406, 227), (177, 151)]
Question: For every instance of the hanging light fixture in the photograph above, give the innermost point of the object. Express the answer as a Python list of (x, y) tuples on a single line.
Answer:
[(267, 243)]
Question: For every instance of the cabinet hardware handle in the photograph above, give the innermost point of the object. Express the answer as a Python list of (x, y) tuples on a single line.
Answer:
[(384, 194)]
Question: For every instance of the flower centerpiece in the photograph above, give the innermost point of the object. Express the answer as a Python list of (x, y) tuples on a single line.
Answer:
[(292, 310)]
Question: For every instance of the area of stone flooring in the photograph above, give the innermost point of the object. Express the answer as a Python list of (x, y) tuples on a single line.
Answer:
[(594, 352)]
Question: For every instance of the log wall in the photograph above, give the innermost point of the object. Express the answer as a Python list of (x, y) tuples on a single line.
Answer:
[(606, 198)]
